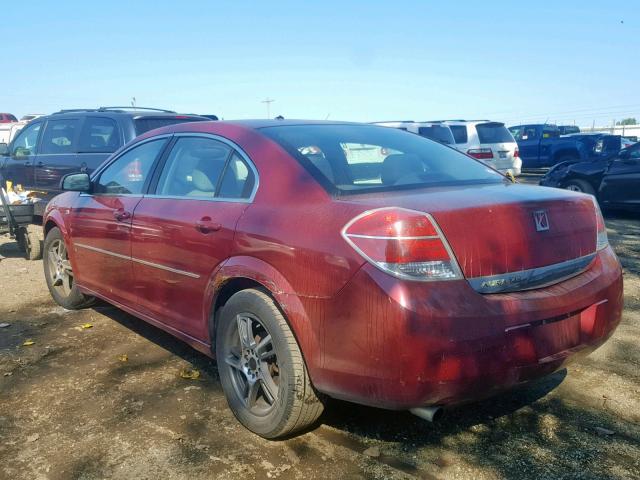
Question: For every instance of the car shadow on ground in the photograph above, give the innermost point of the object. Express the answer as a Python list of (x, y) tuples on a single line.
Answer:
[(547, 435), (11, 250)]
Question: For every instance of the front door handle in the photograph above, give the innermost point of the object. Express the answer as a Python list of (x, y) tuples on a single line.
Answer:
[(121, 215), (206, 225), (40, 164)]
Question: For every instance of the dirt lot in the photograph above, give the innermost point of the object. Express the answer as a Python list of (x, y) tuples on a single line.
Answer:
[(72, 407)]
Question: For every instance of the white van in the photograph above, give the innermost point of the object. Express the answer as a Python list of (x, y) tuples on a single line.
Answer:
[(436, 131), (488, 141)]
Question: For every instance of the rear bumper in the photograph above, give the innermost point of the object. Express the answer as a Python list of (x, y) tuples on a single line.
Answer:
[(398, 344)]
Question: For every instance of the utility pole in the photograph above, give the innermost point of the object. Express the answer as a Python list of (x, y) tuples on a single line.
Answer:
[(268, 101)]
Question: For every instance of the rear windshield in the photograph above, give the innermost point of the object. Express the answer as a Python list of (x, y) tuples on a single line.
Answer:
[(438, 133), (494, 133), (359, 158), (144, 124), (459, 133)]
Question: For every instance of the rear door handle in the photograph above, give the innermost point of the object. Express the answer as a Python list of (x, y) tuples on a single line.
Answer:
[(121, 215), (40, 164), (206, 225)]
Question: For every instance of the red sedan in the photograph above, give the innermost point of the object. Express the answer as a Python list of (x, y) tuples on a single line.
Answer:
[(353, 261)]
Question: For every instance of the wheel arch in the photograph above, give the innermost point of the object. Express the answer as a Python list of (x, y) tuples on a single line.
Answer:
[(242, 273)]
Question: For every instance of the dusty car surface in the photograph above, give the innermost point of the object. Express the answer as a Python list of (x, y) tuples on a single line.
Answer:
[(348, 260)]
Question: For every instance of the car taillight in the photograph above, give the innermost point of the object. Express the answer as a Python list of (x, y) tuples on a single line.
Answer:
[(480, 153), (405, 243), (516, 153), (601, 239)]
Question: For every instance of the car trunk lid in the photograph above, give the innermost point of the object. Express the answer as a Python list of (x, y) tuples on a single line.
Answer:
[(505, 228)]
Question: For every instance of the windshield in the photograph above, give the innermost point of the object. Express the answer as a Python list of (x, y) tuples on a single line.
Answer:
[(355, 158)]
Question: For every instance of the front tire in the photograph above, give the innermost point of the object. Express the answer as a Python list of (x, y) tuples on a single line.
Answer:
[(580, 186), (59, 274), (261, 368)]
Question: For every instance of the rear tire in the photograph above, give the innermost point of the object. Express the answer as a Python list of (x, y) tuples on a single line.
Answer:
[(59, 275), (32, 239), (580, 186), (262, 372)]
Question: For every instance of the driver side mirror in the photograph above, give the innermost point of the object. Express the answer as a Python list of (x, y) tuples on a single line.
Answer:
[(624, 154), (4, 150), (76, 182)]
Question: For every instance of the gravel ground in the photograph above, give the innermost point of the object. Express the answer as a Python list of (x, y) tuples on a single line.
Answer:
[(109, 402)]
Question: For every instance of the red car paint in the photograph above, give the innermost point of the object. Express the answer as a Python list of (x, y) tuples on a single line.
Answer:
[(366, 336)]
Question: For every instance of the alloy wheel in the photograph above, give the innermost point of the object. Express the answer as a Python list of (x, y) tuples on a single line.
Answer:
[(254, 364), (60, 268)]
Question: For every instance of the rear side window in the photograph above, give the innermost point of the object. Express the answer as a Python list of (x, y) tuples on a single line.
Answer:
[(494, 133), (438, 133), (360, 158), (238, 179), (193, 168), (127, 175), (60, 136), (144, 124), (99, 135), (459, 133)]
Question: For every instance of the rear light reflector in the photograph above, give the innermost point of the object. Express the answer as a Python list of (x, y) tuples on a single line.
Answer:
[(480, 153), (405, 243), (601, 239), (516, 153)]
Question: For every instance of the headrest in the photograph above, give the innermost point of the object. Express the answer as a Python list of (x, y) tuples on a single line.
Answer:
[(400, 165), (201, 182)]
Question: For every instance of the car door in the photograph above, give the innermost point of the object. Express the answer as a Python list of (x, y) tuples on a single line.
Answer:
[(19, 167), (528, 139), (621, 182), (57, 154), (545, 152), (182, 232), (100, 223)]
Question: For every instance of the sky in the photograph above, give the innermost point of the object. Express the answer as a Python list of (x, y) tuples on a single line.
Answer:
[(563, 62)]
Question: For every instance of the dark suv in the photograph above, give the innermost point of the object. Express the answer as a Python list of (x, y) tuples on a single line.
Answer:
[(70, 141)]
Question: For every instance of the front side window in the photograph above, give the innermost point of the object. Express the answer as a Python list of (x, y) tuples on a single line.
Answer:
[(128, 174), (99, 135), (59, 136), (193, 168), (359, 158), (550, 132), (25, 142)]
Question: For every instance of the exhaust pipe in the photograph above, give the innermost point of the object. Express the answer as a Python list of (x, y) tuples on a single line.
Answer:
[(430, 414)]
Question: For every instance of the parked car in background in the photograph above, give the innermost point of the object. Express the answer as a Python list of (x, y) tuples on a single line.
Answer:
[(8, 131), (405, 276), (7, 118), (52, 146), (432, 130), (613, 180), (627, 142), (488, 141), (31, 116), (541, 146), (568, 129)]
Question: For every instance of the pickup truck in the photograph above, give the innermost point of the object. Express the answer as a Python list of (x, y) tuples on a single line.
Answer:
[(542, 146)]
